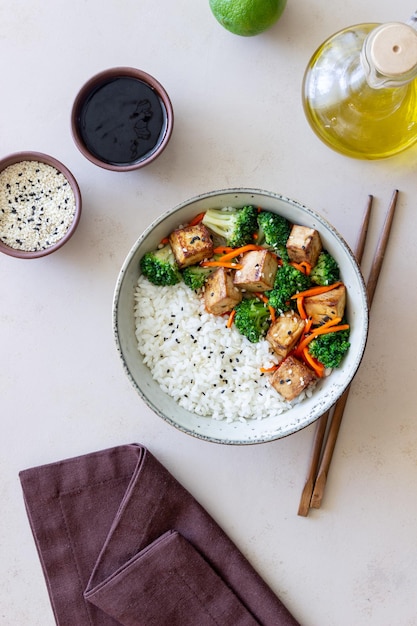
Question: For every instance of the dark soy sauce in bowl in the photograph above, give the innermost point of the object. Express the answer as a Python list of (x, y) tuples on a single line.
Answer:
[(122, 119)]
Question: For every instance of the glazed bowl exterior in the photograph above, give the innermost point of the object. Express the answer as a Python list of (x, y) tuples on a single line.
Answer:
[(253, 431)]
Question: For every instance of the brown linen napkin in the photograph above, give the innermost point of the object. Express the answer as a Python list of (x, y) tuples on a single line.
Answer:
[(122, 542)]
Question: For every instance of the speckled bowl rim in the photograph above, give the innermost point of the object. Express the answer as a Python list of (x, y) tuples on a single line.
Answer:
[(208, 429), (18, 157), (103, 77), (255, 431)]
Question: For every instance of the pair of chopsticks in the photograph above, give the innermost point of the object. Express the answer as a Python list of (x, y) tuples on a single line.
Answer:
[(323, 447)]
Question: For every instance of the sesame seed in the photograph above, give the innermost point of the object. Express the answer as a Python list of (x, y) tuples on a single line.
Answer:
[(35, 205)]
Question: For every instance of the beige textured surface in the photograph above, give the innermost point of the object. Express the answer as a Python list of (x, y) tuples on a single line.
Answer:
[(238, 121)]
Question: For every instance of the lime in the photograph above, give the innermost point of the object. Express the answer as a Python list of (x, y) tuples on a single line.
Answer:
[(247, 17)]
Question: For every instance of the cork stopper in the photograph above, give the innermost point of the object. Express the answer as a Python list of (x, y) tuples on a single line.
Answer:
[(393, 50)]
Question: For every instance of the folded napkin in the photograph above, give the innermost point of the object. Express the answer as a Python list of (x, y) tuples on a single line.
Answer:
[(122, 542)]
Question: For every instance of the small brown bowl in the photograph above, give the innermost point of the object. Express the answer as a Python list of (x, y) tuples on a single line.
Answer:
[(38, 214), (122, 119)]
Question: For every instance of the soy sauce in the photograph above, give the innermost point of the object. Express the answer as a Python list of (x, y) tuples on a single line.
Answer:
[(122, 121)]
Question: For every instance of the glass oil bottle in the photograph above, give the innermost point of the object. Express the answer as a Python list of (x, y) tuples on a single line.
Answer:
[(360, 90)]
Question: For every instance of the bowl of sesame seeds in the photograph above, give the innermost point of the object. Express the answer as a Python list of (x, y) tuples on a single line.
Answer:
[(40, 205)]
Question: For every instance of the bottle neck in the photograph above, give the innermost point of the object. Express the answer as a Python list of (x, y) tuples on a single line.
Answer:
[(389, 55)]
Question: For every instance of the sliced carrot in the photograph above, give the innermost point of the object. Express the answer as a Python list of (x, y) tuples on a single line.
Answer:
[(303, 267), (222, 250), (301, 309), (309, 324), (261, 296), (314, 364), (238, 251), (333, 321), (306, 330), (272, 313), (267, 370), (231, 318), (219, 263), (164, 241), (315, 291), (320, 331), (197, 219), (255, 236)]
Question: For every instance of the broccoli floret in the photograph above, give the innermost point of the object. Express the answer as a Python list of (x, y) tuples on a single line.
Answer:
[(160, 267), (252, 319), (288, 281), (330, 348), (326, 271), (236, 226), (273, 232), (195, 276)]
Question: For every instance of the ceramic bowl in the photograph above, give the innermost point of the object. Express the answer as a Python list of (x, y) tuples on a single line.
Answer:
[(122, 119), (40, 204), (253, 430)]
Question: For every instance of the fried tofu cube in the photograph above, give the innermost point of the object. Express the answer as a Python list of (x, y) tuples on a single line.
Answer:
[(292, 377), (220, 294), (284, 333), (191, 244), (326, 305), (258, 271), (304, 244)]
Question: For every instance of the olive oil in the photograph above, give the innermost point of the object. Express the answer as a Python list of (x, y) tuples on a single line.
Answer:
[(351, 112)]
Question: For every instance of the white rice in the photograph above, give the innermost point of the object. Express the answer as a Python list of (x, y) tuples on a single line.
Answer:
[(207, 368)]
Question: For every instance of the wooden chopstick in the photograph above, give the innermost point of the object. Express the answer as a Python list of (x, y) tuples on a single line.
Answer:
[(320, 432), (380, 250), (315, 482), (307, 492), (376, 266)]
